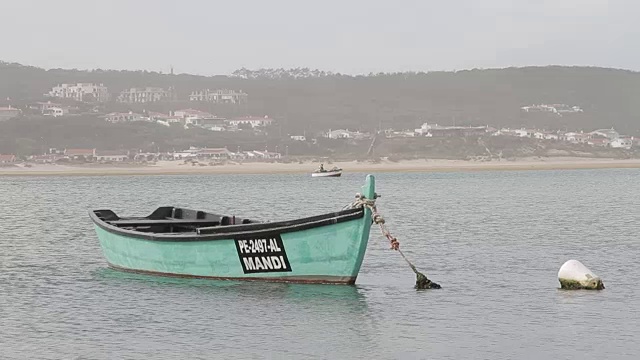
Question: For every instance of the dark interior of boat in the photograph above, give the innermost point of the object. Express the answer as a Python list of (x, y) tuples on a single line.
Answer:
[(172, 220), (169, 219)]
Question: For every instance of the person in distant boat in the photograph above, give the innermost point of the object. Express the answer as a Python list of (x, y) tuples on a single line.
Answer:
[(321, 167)]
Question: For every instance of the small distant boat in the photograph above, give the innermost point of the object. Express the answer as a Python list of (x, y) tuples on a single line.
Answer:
[(321, 172), (173, 241)]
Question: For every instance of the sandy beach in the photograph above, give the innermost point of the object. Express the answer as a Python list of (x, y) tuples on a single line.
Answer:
[(431, 165)]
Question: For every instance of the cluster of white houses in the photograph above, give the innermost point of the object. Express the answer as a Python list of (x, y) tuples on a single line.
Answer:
[(223, 96), (192, 154), (557, 109), (204, 154), (85, 92), (426, 130), (600, 137), (345, 134), (146, 95), (46, 108), (193, 118), (92, 92)]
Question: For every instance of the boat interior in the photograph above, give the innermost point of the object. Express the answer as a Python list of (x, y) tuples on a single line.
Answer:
[(168, 219), (173, 220)]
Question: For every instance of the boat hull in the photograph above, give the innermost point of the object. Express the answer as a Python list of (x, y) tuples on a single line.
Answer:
[(328, 254), (327, 174), (331, 253)]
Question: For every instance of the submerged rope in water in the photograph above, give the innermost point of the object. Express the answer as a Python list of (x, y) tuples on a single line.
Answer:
[(422, 282)]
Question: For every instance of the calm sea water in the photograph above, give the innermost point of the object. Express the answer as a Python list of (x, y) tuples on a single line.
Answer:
[(493, 240)]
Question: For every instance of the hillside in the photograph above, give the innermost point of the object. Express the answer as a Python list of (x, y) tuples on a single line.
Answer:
[(302, 99)]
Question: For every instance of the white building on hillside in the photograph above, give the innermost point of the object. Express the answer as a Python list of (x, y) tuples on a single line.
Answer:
[(203, 154), (622, 143), (222, 96), (213, 154), (200, 118), (116, 117), (106, 155), (42, 107), (346, 134), (145, 95), (56, 111), (563, 108), (524, 132), (186, 113), (262, 155), (88, 92), (577, 138), (610, 134), (253, 121), (557, 109)]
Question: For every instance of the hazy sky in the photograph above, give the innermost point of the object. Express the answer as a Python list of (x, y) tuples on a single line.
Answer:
[(216, 37)]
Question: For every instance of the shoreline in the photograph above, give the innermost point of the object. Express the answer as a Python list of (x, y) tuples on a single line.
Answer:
[(431, 165)]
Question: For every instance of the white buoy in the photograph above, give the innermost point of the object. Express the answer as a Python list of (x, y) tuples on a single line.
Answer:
[(573, 276)]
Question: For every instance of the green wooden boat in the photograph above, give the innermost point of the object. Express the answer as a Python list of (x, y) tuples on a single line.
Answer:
[(181, 242)]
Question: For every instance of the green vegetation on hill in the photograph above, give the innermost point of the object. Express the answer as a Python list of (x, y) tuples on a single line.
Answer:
[(303, 99)]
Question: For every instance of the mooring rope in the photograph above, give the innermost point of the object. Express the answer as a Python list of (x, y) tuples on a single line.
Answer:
[(422, 282)]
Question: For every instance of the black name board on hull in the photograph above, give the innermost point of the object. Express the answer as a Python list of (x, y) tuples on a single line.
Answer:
[(262, 254)]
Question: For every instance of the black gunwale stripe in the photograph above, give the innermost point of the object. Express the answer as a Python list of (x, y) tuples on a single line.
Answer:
[(229, 232)]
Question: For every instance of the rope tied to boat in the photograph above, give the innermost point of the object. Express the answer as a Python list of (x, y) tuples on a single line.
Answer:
[(422, 282)]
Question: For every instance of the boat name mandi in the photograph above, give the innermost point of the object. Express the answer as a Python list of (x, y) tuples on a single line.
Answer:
[(262, 255)]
